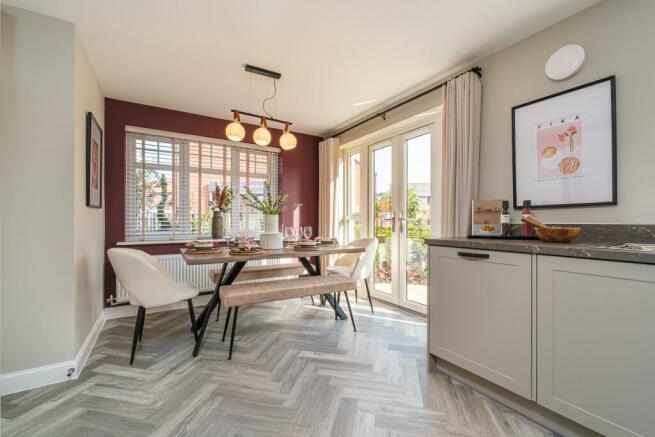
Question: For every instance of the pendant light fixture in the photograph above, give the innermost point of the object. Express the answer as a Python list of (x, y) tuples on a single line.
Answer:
[(288, 140), (235, 130), (262, 135)]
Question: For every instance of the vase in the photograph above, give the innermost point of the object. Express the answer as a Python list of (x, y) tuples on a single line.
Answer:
[(217, 225), (271, 223)]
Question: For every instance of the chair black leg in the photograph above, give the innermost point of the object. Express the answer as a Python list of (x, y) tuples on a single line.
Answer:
[(234, 328), (350, 310), (218, 310), (355, 295), (368, 292), (227, 320), (143, 320), (192, 315), (137, 329), (335, 306), (312, 300)]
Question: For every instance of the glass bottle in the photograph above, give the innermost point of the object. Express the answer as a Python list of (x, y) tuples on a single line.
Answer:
[(505, 220)]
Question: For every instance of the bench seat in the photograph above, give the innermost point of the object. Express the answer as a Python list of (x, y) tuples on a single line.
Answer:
[(263, 272), (247, 294)]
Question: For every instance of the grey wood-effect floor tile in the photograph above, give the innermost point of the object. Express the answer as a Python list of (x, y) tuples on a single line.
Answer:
[(295, 371)]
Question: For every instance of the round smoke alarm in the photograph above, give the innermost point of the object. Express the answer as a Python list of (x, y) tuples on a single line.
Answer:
[(565, 62)]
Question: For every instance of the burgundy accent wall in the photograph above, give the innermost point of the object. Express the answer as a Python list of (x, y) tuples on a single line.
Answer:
[(299, 169)]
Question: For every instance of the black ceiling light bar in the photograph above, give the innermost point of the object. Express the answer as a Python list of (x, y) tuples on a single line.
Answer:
[(250, 114), (263, 71)]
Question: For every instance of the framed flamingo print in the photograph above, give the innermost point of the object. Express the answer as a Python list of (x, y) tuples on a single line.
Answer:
[(564, 148)]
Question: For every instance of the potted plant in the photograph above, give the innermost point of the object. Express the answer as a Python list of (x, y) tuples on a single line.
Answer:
[(269, 204), (220, 203)]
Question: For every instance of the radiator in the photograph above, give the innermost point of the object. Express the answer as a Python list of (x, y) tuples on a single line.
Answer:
[(182, 272)]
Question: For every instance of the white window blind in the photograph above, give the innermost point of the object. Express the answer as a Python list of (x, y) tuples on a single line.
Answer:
[(169, 181)]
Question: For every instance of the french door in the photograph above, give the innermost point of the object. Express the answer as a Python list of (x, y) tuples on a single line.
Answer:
[(400, 216)]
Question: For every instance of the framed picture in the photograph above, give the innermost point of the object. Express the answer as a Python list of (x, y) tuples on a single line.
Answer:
[(564, 148), (93, 162)]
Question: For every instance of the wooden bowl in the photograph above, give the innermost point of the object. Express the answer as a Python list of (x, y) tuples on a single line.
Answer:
[(557, 235)]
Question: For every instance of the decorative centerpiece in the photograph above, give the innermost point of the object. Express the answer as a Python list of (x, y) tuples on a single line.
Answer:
[(271, 205), (220, 204)]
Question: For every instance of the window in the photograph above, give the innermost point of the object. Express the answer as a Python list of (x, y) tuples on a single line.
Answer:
[(353, 195), (169, 181)]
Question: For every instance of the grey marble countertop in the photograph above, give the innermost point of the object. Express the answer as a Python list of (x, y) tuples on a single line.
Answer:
[(589, 250)]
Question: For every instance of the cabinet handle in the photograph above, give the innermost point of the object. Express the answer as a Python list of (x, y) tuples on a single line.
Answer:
[(473, 255)]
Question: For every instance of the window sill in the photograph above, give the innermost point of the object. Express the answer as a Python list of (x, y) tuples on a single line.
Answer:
[(151, 242)]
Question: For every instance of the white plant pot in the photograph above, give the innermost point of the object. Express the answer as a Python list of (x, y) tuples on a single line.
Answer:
[(270, 240), (271, 223)]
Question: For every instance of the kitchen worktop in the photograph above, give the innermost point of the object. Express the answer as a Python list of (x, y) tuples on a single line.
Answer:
[(587, 245)]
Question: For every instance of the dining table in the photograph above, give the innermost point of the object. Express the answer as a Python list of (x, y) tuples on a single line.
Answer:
[(238, 261)]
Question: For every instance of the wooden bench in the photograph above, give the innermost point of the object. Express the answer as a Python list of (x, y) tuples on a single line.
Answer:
[(254, 273), (234, 296)]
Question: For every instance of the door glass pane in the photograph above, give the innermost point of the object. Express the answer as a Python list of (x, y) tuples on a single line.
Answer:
[(382, 216), (354, 196), (418, 217)]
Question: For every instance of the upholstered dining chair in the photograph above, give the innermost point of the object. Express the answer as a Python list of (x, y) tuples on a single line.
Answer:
[(148, 285), (358, 265)]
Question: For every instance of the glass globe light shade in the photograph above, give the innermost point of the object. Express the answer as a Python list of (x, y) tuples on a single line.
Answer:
[(235, 131), (262, 136), (288, 140)]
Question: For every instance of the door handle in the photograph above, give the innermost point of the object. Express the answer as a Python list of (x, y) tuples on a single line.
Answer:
[(473, 255), (391, 219), (400, 220)]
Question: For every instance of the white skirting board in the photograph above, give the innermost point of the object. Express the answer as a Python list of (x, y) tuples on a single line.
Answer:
[(21, 380), (27, 379)]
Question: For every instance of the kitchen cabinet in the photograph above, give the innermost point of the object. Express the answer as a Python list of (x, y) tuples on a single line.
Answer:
[(596, 343), (480, 314)]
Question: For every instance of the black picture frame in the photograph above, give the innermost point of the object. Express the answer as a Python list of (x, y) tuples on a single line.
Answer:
[(94, 155), (611, 202)]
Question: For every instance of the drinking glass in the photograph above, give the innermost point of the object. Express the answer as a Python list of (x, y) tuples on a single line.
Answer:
[(307, 232), (289, 233)]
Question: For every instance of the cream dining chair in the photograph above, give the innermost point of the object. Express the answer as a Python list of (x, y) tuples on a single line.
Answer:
[(358, 265), (148, 285)]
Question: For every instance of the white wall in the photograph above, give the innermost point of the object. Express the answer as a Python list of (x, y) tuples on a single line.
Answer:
[(51, 286), (618, 38), (88, 250), (36, 154)]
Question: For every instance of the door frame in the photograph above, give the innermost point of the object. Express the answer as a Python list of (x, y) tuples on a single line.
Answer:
[(431, 120), (397, 143)]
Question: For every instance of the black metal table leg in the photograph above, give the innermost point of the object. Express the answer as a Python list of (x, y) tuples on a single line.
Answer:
[(327, 296), (213, 302)]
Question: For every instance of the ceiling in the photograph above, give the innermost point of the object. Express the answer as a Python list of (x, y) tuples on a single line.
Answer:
[(338, 58)]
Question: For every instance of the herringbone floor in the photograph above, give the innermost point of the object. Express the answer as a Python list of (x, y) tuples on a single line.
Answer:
[(295, 372)]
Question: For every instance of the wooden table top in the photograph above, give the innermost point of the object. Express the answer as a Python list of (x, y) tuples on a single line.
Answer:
[(287, 252)]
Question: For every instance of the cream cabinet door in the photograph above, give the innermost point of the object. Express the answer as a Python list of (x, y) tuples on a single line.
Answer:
[(596, 343), (480, 314)]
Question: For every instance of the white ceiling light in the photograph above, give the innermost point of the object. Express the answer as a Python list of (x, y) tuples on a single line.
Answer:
[(565, 62), (364, 102)]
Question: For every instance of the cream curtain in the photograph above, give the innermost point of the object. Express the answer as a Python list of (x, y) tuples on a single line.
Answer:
[(460, 152), (329, 194), (329, 189)]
